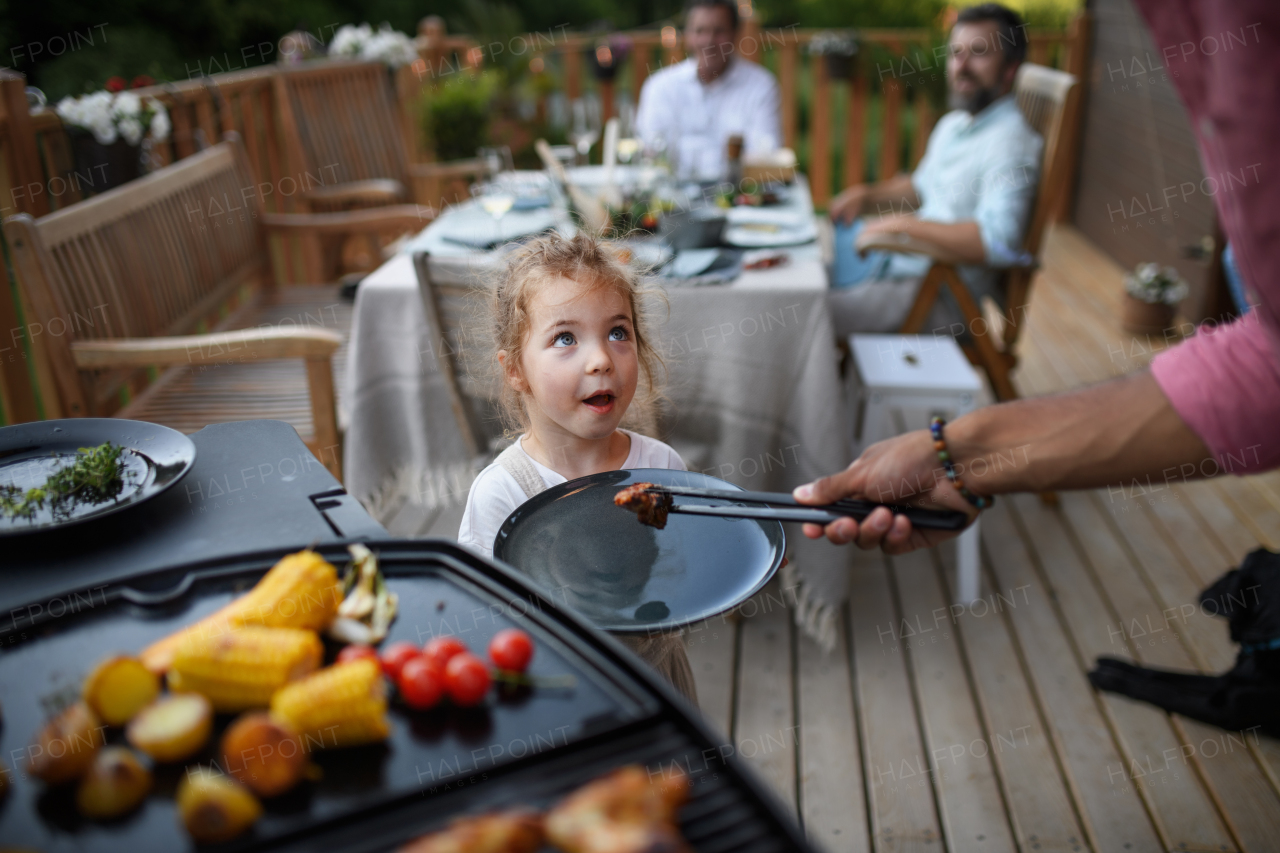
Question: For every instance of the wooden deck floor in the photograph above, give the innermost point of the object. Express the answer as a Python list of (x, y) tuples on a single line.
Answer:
[(929, 729)]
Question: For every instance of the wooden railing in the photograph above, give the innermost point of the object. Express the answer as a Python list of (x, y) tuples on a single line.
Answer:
[(867, 128)]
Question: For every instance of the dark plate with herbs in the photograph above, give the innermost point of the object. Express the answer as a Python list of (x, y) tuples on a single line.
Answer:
[(58, 473)]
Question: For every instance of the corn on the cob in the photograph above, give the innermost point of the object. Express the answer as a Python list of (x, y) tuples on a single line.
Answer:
[(244, 667), (300, 591), (342, 705)]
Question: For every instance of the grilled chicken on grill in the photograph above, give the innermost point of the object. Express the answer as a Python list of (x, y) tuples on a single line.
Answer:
[(501, 832), (651, 506), (626, 811)]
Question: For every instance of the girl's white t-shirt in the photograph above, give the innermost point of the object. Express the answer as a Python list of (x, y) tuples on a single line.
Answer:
[(495, 493)]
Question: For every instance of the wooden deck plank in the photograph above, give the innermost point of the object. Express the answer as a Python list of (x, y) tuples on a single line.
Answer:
[(712, 646), (971, 807), (1168, 576), (1182, 525), (1114, 819), (1040, 805), (764, 726), (1220, 523), (900, 791), (833, 804), (1243, 793), (1262, 519), (1183, 810)]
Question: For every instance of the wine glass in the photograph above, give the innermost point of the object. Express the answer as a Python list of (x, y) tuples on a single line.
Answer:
[(585, 129), (496, 201), (627, 148), (628, 141), (496, 160)]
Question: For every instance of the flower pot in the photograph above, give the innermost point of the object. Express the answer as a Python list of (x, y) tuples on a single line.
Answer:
[(1146, 318), (839, 66), (103, 167)]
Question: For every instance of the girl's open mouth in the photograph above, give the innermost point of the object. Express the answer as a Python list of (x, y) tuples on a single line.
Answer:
[(599, 403)]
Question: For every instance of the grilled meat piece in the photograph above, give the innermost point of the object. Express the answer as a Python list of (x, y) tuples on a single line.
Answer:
[(650, 506), (626, 811), (501, 832)]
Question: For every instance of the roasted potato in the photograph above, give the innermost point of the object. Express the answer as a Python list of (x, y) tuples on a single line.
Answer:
[(115, 784), (263, 754), (214, 807), (120, 687), (66, 746), (173, 728)]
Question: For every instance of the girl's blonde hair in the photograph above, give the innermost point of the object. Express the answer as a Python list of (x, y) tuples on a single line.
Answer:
[(592, 263)]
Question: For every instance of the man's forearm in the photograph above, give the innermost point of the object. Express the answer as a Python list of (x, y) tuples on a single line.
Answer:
[(1106, 434), (962, 239), (893, 195)]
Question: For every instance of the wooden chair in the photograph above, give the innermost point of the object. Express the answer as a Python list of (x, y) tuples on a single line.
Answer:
[(1048, 100), (174, 271), (345, 140), (452, 302)]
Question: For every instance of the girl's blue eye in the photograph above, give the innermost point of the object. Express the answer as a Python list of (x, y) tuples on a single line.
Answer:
[(564, 339), (618, 334)]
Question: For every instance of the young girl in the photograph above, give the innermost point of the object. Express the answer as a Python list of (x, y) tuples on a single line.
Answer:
[(573, 351)]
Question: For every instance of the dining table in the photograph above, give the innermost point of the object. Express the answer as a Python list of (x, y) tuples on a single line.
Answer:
[(754, 393)]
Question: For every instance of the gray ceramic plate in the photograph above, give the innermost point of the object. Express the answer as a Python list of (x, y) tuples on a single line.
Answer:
[(629, 578), (155, 458)]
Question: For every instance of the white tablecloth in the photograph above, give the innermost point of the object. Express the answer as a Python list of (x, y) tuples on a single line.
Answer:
[(754, 390)]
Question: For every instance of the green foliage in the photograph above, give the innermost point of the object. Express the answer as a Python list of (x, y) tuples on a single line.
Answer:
[(842, 13), (456, 114)]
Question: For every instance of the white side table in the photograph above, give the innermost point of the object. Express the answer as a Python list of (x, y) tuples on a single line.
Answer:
[(897, 384)]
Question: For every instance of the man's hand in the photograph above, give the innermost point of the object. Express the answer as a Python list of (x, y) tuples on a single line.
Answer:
[(848, 205), (902, 470)]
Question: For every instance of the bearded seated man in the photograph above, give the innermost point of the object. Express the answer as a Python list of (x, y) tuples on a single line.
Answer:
[(971, 194)]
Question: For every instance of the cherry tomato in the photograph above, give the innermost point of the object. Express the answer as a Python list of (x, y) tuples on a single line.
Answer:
[(420, 683), (466, 679), (511, 649), (356, 651), (439, 650), (396, 655)]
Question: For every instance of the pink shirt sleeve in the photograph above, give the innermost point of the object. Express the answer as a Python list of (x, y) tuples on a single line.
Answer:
[(1225, 383), (1224, 58)]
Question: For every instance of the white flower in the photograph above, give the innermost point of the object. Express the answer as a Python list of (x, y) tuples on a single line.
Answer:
[(361, 42), (93, 113), (1150, 283), (127, 105), (393, 48), (160, 121), (104, 132), (349, 40), (131, 130)]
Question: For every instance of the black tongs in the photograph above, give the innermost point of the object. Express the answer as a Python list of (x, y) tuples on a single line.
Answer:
[(780, 506)]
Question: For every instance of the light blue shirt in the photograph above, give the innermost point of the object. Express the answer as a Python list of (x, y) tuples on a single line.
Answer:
[(984, 168)]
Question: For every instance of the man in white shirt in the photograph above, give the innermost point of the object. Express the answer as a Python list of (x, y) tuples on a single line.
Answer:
[(692, 108), (971, 194)]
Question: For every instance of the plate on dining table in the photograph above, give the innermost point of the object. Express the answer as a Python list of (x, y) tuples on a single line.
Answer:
[(154, 458), (627, 577)]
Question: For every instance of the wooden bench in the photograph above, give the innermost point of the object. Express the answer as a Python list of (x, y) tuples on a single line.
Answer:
[(158, 302)]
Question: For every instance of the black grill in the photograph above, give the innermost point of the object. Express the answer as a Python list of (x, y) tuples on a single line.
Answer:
[(620, 714)]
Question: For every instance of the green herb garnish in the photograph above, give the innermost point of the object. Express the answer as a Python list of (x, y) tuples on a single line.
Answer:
[(96, 476)]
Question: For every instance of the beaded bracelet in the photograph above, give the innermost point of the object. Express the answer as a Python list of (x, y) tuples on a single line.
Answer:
[(940, 445)]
